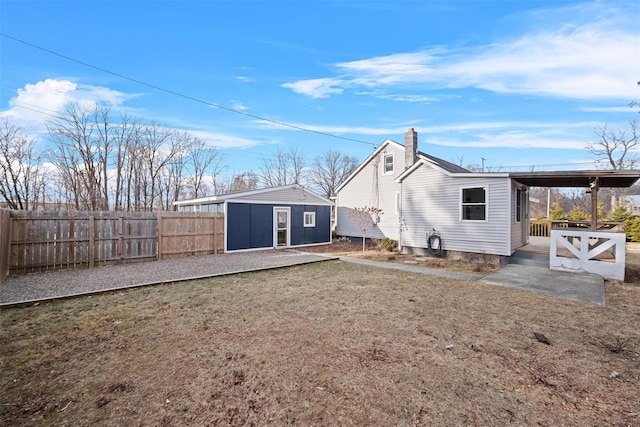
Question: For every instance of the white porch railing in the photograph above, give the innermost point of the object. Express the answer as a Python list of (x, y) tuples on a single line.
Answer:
[(598, 252)]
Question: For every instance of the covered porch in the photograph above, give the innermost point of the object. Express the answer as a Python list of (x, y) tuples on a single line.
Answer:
[(587, 247)]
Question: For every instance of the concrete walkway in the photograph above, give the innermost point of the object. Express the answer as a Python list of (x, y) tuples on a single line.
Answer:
[(416, 269), (586, 288), (32, 288)]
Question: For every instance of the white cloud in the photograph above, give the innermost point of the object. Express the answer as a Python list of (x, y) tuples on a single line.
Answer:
[(413, 98), (237, 105), (38, 102), (316, 88), (586, 51), (584, 63), (220, 140), (626, 109), (245, 79), (513, 139)]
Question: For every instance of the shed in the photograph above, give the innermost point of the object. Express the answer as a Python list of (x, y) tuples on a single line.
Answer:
[(277, 217)]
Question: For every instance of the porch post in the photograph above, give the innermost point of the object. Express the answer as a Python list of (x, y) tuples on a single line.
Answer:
[(595, 186)]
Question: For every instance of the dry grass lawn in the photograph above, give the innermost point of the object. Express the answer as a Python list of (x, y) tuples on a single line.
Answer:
[(323, 344)]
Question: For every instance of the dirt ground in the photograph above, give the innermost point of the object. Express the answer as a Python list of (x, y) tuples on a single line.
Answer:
[(374, 252), (324, 344)]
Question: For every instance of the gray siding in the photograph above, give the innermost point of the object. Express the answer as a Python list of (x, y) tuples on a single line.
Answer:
[(372, 187), (431, 200), (284, 195)]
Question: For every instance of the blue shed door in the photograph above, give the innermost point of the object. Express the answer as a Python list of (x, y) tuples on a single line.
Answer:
[(281, 225)]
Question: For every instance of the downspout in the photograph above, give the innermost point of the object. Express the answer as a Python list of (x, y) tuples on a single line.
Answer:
[(400, 219)]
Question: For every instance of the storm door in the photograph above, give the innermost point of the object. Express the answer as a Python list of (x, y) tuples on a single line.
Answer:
[(282, 229)]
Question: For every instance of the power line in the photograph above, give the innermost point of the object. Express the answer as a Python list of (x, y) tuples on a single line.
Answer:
[(38, 109), (181, 95)]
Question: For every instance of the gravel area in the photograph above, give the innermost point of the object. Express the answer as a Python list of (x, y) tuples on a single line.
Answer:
[(64, 283)]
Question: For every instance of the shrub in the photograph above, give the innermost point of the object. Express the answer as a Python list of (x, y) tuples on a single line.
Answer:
[(388, 244), (556, 213)]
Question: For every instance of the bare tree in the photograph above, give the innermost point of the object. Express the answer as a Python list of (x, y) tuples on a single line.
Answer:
[(238, 182), (205, 161), (159, 148), (365, 217), (614, 147), (82, 146), (330, 169), (126, 165), (284, 168), (19, 168), (124, 137)]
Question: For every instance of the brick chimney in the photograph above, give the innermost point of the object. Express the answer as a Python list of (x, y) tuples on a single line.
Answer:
[(410, 148)]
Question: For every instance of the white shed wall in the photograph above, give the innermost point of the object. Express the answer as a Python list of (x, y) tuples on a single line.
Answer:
[(431, 200)]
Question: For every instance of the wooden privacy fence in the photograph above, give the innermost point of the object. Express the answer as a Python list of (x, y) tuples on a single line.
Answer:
[(190, 233), (49, 240)]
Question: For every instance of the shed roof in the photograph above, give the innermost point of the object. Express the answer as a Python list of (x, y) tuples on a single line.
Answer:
[(246, 195), (578, 178)]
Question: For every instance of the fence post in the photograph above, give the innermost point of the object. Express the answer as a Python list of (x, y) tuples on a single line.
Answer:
[(215, 234), (5, 216), (159, 232), (91, 240), (119, 248)]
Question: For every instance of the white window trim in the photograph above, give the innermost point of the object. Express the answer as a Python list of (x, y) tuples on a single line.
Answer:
[(520, 192), (384, 163), (486, 203), (311, 215)]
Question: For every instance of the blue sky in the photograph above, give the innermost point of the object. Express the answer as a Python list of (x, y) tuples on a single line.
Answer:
[(522, 84)]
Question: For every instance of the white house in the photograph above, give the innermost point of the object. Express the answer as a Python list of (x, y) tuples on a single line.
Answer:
[(421, 195), (472, 213)]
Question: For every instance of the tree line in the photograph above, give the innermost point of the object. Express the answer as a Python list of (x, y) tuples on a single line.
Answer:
[(98, 160)]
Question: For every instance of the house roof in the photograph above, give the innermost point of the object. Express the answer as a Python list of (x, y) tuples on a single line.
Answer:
[(247, 194), (443, 164), (606, 178), (448, 166)]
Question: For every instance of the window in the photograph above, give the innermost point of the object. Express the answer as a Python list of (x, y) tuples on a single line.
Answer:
[(309, 219), (474, 204), (185, 208), (388, 163)]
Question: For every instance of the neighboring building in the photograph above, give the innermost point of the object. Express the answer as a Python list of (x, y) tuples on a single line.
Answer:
[(632, 203), (280, 217), (420, 194)]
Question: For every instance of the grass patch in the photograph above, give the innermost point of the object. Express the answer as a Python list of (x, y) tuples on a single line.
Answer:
[(324, 344)]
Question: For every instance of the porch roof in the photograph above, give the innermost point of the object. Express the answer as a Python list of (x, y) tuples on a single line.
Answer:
[(580, 178)]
